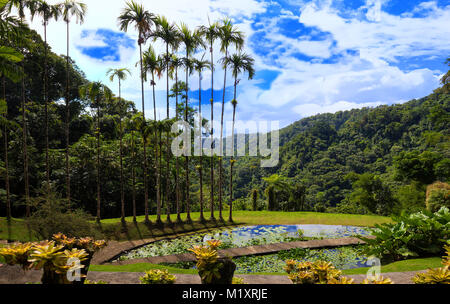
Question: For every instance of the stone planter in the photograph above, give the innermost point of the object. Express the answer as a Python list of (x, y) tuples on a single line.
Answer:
[(226, 273)]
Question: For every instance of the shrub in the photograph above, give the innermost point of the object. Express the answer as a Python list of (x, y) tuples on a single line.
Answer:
[(52, 214), (156, 276), (238, 281), (438, 196), (321, 272), (418, 234)]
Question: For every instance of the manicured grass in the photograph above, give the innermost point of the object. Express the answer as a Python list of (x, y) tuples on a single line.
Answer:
[(113, 229), (401, 266)]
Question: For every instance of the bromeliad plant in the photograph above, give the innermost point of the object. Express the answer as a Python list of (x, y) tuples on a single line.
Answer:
[(211, 268), (56, 258), (156, 276), (321, 272)]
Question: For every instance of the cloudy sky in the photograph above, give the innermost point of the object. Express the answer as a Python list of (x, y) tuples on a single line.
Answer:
[(310, 56)]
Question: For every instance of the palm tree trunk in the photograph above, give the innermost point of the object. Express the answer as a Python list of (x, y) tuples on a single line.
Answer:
[(167, 204), (188, 205), (122, 193), (158, 206), (202, 218), (158, 178), (47, 166), (232, 155), (25, 147), (98, 162), (212, 132), (5, 136), (177, 164), (133, 176), (67, 126), (144, 141), (221, 141)]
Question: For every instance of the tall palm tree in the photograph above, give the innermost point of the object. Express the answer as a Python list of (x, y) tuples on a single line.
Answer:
[(143, 20), (238, 63), (175, 64), (168, 33), (96, 93), (211, 33), (78, 9), (191, 40), (131, 142), (47, 12), (120, 74), (152, 65), (21, 5), (200, 66), (229, 35)]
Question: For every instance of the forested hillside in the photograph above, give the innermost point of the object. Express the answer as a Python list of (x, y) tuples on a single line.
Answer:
[(382, 156)]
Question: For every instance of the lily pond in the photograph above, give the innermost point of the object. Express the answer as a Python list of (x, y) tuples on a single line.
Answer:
[(343, 257)]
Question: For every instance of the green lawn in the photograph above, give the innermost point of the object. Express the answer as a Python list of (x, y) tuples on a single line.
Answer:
[(114, 230), (401, 266)]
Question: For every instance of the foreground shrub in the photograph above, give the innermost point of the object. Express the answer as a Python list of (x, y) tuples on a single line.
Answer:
[(439, 275), (56, 257), (211, 268), (416, 235), (156, 276), (321, 272)]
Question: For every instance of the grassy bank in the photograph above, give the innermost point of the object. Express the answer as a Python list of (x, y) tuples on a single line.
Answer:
[(113, 229)]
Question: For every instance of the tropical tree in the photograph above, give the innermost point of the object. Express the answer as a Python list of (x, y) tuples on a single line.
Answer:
[(143, 20), (211, 34), (121, 75), (47, 12), (229, 35), (130, 125), (21, 5), (168, 33), (191, 40), (200, 66), (78, 10), (275, 183), (238, 63), (97, 93)]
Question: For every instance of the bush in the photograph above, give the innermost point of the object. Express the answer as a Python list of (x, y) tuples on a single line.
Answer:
[(438, 275), (52, 215), (156, 276), (415, 235), (438, 196)]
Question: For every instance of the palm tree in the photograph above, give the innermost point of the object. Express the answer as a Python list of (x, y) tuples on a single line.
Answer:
[(211, 33), (77, 9), (238, 63), (152, 65), (143, 20), (47, 11), (21, 5), (120, 74), (191, 41), (229, 35), (131, 126), (168, 33), (200, 66), (175, 64), (97, 93)]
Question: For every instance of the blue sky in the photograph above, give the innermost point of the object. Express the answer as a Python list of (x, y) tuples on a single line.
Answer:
[(311, 56)]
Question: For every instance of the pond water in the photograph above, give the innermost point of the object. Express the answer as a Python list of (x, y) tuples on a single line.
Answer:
[(250, 236)]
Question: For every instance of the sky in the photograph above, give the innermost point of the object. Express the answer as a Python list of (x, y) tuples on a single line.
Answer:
[(311, 57)]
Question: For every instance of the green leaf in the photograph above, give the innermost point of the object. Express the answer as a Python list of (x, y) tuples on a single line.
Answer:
[(10, 54)]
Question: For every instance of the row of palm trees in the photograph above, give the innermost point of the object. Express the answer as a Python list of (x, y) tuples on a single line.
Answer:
[(150, 28)]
